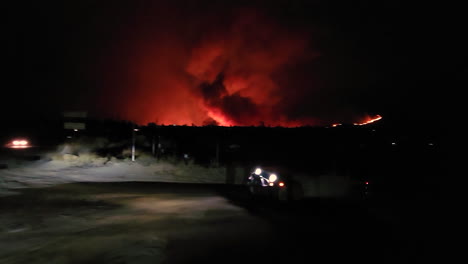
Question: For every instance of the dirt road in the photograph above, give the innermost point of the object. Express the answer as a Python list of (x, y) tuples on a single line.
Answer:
[(144, 222)]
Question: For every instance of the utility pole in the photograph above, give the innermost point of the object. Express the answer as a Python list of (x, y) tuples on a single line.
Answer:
[(133, 142), (153, 146), (217, 153), (159, 150)]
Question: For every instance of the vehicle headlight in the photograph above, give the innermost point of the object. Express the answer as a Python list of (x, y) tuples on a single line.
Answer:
[(272, 177), (258, 171), (20, 142)]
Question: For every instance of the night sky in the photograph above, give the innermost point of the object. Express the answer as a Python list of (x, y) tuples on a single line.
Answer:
[(287, 63)]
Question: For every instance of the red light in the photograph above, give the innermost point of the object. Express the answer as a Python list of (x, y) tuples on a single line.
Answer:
[(281, 184), (367, 182)]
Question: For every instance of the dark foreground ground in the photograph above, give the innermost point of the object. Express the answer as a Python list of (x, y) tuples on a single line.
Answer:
[(193, 223)]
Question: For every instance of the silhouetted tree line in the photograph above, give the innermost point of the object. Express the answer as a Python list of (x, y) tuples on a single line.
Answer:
[(374, 150)]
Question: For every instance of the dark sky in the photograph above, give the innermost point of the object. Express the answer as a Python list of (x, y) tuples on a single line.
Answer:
[(234, 62)]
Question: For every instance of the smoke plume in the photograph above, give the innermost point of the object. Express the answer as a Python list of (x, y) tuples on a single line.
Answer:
[(235, 67)]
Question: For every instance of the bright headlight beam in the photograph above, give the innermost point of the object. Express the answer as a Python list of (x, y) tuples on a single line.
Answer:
[(20, 142), (272, 177), (258, 171)]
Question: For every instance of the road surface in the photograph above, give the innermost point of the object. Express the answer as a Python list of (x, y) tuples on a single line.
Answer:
[(144, 222)]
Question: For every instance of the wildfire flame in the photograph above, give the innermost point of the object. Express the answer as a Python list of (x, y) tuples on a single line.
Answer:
[(219, 119), (369, 120)]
